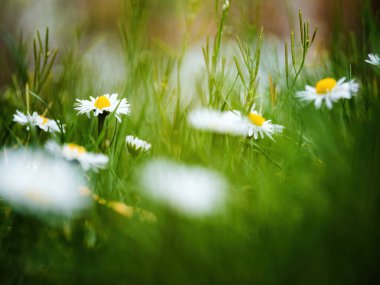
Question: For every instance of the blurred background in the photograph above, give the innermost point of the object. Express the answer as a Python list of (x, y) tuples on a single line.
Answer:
[(171, 23)]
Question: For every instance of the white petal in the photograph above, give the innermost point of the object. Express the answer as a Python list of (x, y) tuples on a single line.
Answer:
[(318, 102), (328, 103)]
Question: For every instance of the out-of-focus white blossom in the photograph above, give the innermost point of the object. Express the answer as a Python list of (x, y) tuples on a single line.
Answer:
[(37, 183), (233, 123), (191, 190), (35, 119), (74, 152)]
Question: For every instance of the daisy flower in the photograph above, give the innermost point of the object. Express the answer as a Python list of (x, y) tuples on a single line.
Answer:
[(103, 104), (38, 183), (233, 123), (329, 90), (135, 145), (35, 119), (256, 124), (373, 59), (191, 190), (74, 152), (216, 121)]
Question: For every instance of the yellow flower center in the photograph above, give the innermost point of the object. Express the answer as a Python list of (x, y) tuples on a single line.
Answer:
[(325, 85), (44, 119), (102, 102), (74, 147), (256, 119)]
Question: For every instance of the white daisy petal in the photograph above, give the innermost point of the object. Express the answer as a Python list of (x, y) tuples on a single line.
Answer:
[(373, 59), (354, 86), (340, 81), (20, 118), (328, 103), (135, 145), (318, 102)]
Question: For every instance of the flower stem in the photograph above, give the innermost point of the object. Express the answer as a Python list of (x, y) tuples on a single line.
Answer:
[(101, 119)]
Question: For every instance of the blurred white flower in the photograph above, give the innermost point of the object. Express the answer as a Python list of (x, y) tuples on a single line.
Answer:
[(35, 119), (373, 59), (330, 91), (135, 145), (189, 189), (255, 124), (233, 123), (38, 183), (226, 5), (216, 121), (106, 103), (74, 152)]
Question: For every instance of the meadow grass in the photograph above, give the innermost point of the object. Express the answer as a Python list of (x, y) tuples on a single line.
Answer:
[(301, 209)]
